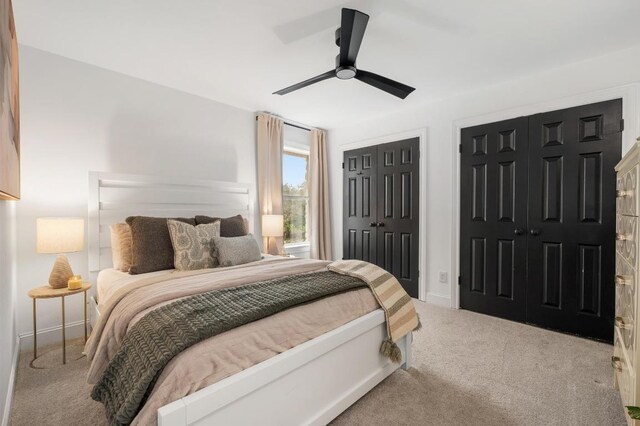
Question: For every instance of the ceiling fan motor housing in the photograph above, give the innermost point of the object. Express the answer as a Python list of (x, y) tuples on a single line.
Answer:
[(344, 72)]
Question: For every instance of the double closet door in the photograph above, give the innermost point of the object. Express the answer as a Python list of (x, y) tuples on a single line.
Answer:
[(537, 218), (380, 208)]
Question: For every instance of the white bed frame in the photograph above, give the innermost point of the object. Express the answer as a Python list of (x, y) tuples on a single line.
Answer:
[(309, 384)]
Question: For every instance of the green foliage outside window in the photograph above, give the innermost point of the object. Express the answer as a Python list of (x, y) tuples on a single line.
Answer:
[(295, 205)]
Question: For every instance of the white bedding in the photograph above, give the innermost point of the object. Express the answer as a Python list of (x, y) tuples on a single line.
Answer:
[(225, 354), (110, 280)]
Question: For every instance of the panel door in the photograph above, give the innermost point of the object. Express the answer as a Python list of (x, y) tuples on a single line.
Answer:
[(572, 218), (398, 210), (360, 204), (493, 218)]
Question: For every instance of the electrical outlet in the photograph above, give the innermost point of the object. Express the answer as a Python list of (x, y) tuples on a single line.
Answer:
[(442, 276)]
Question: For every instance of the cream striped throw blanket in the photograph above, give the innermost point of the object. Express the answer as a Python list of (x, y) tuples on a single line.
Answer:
[(397, 304)]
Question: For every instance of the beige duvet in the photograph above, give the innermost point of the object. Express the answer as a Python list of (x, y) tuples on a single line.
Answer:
[(228, 353)]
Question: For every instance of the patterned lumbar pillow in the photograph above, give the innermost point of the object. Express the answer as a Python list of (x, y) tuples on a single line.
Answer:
[(193, 245), (121, 253), (236, 250)]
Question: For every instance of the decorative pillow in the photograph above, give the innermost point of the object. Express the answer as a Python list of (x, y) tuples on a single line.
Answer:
[(234, 226), (193, 245), (151, 243), (236, 250), (121, 246)]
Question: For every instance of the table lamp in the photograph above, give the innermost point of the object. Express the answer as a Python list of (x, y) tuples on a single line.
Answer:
[(58, 235), (272, 226)]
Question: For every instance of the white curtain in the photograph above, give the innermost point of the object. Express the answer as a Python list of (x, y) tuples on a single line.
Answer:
[(269, 153), (319, 213)]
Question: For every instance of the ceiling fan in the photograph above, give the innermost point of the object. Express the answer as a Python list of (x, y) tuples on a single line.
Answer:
[(349, 38)]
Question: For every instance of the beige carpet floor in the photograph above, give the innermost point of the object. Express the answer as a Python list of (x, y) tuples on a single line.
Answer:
[(469, 369)]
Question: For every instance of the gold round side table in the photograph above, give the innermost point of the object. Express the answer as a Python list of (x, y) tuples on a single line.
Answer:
[(47, 292)]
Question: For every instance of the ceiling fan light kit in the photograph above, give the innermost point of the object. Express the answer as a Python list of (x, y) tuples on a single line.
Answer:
[(349, 38)]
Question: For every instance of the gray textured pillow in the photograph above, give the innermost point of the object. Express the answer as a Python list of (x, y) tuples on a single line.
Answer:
[(234, 226), (193, 245), (151, 243), (236, 250)]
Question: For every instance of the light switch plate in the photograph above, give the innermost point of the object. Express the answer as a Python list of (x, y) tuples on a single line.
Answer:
[(442, 276)]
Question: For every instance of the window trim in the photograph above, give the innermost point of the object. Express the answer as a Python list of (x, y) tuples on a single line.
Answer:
[(298, 248)]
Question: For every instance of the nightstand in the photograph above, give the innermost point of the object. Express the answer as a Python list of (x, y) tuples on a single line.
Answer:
[(47, 292)]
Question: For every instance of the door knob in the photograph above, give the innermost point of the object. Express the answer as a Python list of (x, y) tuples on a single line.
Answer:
[(535, 232), (518, 231), (380, 224), (373, 224)]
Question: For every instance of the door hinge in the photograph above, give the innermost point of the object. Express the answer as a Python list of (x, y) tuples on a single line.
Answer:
[(460, 148), (343, 165), (622, 125), (459, 280)]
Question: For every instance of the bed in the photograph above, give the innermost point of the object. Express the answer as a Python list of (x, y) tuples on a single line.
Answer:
[(309, 380)]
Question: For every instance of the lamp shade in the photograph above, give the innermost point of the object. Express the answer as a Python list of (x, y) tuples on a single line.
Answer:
[(59, 235), (272, 225)]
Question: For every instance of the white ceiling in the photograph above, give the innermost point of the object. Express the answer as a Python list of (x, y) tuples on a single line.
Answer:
[(240, 51)]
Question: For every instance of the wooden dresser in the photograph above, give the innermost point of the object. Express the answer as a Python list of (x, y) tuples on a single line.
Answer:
[(625, 361)]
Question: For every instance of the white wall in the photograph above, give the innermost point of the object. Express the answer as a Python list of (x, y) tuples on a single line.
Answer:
[(508, 100), (78, 118), (7, 304)]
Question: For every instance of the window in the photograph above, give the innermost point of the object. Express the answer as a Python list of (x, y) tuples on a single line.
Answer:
[(295, 196)]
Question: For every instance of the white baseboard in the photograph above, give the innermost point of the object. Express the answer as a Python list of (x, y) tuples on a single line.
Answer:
[(51, 335), (8, 403), (439, 300)]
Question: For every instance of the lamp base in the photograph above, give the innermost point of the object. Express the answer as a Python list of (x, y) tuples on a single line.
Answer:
[(60, 273), (271, 246)]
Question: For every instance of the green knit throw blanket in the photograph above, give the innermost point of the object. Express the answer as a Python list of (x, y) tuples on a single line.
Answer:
[(167, 331)]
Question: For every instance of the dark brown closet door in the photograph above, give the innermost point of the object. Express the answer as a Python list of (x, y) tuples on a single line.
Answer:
[(572, 218), (360, 204), (398, 208), (493, 218)]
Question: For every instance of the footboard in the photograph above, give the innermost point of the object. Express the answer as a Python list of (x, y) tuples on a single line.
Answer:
[(307, 385)]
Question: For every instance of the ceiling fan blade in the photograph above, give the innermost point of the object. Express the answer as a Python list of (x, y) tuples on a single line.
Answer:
[(383, 83), (352, 28), (325, 19), (309, 82)]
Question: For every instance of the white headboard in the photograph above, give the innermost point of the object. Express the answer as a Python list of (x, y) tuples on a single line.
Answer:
[(113, 197)]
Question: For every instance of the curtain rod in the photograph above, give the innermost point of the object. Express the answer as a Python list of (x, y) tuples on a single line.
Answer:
[(296, 126), (292, 125)]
